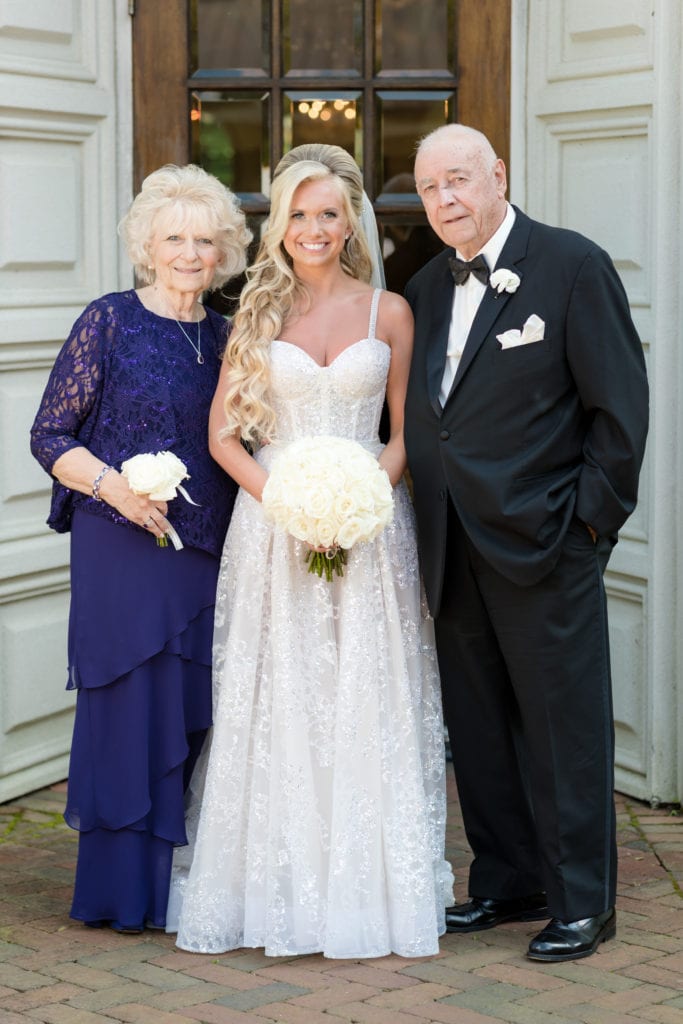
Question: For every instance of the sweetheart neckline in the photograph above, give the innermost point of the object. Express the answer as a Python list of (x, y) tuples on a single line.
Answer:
[(328, 366)]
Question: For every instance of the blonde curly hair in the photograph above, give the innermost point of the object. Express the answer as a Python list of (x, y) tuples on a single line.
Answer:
[(273, 291), (190, 192)]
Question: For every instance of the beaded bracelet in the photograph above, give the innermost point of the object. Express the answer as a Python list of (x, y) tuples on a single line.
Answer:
[(97, 481)]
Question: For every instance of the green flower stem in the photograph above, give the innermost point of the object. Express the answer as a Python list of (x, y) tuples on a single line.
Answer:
[(329, 562)]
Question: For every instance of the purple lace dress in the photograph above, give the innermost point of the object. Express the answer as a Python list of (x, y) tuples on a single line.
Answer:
[(141, 622)]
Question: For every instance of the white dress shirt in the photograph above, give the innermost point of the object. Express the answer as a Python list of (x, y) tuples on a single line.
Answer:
[(466, 299)]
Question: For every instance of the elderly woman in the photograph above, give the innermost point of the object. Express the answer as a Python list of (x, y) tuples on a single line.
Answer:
[(136, 376)]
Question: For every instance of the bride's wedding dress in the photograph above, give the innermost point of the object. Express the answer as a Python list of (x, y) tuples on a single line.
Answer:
[(317, 814)]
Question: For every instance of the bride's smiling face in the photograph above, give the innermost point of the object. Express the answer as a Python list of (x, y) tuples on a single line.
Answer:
[(318, 226)]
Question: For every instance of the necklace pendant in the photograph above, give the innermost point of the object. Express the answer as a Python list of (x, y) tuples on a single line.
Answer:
[(200, 359)]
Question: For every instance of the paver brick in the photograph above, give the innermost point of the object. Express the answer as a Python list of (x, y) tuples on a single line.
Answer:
[(643, 995), (364, 1013), (40, 997), (403, 998), (125, 952), (444, 1013), (86, 977), (448, 972), (517, 1014), (336, 994), (661, 1014), (10, 950), (16, 978), (10, 1017), (652, 972), (513, 974), (291, 1013), (187, 997), (375, 977), (560, 998), (588, 972), (61, 1013), (223, 974), (295, 975), (601, 1015), (274, 993), (211, 1013), (130, 992), (156, 977), (141, 1013)]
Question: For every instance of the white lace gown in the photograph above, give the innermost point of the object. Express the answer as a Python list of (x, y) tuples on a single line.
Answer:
[(317, 815)]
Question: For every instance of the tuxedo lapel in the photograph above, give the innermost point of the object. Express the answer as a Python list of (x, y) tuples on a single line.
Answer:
[(442, 305), (493, 303)]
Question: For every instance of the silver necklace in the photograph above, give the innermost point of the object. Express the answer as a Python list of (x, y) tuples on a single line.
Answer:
[(198, 346)]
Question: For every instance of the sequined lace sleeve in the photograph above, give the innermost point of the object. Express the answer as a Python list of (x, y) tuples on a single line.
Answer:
[(73, 387)]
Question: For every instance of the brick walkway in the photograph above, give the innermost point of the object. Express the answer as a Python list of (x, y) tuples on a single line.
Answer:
[(56, 971)]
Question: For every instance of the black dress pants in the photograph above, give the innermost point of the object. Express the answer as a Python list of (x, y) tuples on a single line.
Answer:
[(527, 700)]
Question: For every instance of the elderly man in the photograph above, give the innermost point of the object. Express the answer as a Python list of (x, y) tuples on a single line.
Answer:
[(526, 420)]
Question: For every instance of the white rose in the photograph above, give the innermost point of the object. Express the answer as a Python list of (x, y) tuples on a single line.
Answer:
[(318, 501), (143, 473), (344, 505), (301, 527), (356, 528), (157, 475), (326, 534)]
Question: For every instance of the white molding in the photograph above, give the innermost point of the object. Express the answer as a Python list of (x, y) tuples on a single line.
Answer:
[(605, 79), (67, 109)]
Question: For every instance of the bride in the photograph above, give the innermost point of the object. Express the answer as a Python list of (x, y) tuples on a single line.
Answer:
[(317, 815)]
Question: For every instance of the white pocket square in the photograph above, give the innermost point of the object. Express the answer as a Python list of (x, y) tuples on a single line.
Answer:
[(532, 331)]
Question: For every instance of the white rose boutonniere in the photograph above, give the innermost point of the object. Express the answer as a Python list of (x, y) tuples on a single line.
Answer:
[(504, 280), (159, 477)]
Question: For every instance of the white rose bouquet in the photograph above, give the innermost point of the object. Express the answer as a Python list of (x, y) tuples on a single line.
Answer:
[(159, 476), (331, 493)]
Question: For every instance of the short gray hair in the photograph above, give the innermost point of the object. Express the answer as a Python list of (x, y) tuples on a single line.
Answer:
[(191, 191)]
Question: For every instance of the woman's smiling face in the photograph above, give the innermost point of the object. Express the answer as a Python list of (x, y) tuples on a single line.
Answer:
[(318, 226)]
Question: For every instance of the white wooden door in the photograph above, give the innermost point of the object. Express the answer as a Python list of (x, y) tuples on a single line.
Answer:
[(62, 184), (597, 129)]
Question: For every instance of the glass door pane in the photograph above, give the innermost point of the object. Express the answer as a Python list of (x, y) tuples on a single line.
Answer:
[(230, 35), (403, 118), (412, 37), (322, 38), (229, 139), (332, 117)]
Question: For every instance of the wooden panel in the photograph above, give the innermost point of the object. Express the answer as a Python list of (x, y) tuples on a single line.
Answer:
[(160, 95), (483, 48)]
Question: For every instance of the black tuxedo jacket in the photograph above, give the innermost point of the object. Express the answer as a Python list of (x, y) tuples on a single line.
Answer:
[(533, 435)]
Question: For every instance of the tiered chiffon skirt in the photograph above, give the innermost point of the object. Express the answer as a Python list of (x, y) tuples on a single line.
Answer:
[(140, 635)]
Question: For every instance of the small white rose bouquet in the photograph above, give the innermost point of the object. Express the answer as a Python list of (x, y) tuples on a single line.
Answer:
[(331, 493), (159, 476), (504, 280)]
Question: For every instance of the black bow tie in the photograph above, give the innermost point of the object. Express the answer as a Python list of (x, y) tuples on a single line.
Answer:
[(461, 269)]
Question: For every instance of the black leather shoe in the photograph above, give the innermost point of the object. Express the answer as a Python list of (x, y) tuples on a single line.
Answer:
[(480, 913), (570, 940)]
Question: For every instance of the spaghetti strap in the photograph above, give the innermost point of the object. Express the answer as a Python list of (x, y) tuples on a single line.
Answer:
[(373, 312)]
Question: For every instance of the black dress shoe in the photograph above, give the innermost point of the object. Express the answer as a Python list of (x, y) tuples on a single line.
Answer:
[(570, 940), (480, 913)]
